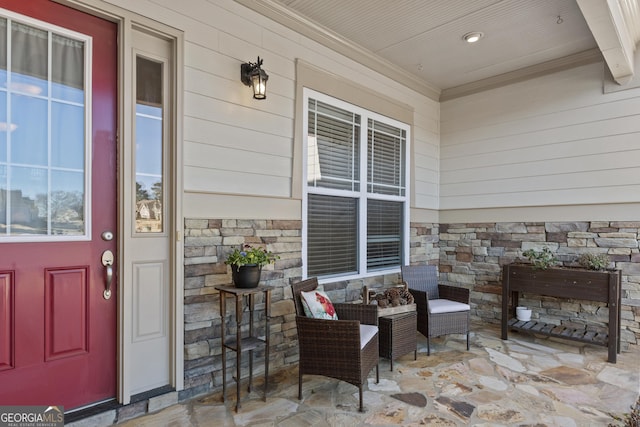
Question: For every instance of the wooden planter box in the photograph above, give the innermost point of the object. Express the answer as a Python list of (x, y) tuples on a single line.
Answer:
[(573, 283), (387, 311)]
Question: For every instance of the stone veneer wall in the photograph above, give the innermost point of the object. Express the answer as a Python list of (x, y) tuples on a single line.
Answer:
[(424, 243), (472, 255), (469, 255), (207, 243)]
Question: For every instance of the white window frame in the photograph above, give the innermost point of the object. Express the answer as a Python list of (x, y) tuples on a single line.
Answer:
[(362, 195)]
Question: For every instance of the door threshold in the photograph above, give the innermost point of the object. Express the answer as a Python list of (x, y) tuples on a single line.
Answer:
[(139, 406), (90, 411), (146, 395)]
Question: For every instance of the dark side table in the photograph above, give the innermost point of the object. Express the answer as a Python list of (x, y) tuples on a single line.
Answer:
[(398, 335), (244, 297)]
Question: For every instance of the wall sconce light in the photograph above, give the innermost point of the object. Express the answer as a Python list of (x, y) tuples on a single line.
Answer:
[(252, 75)]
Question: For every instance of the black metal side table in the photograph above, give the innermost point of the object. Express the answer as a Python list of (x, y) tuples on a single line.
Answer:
[(244, 297)]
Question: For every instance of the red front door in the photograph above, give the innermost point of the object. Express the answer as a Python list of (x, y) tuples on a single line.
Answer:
[(58, 80)]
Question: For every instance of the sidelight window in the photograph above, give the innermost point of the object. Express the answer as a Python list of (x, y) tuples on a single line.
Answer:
[(148, 148)]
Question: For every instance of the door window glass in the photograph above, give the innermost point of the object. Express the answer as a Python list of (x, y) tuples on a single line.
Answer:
[(3, 52), (149, 141), (43, 132), (29, 59)]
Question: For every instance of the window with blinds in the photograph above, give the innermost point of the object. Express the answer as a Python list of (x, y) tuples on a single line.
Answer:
[(385, 159), (355, 193), (333, 150), (384, 234), (332, 237)]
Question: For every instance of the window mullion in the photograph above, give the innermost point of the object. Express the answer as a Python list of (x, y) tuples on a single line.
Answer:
[(353, 157), (49, 96), (372, 157), (364, 185), (9, 121)]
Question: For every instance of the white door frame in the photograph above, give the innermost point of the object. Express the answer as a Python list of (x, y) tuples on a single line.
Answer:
[(127, 21)]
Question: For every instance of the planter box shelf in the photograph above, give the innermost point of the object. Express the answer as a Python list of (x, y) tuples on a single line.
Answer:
[(601, 286), (559, 331)]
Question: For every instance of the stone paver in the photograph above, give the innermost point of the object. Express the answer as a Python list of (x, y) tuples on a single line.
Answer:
[(522, 381)]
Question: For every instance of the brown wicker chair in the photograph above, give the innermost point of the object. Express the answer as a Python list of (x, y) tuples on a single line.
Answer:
[(442, 309), (332, 347)]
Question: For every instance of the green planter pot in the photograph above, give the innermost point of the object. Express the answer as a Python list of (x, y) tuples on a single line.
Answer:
[(246, 276)]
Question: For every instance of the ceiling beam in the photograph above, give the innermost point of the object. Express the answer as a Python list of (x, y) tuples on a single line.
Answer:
[(613, 24)]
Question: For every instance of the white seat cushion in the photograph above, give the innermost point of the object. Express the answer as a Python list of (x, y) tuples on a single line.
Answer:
[(437, 306), (366, 333)]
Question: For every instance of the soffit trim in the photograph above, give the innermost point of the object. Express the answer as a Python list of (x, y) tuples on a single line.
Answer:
[(578, 59)]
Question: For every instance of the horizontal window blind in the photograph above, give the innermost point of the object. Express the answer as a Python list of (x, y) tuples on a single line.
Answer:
[(333, 159), (332, 235), (385, 158), (384, 233)]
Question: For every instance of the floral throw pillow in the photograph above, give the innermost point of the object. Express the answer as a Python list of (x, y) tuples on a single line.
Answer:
[(318, 305)]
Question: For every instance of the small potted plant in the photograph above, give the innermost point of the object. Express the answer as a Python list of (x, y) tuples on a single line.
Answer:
[(594, 261), (541, 260), (246, 265)]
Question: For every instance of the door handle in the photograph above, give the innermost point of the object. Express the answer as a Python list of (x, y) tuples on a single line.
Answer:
[(107, 261)]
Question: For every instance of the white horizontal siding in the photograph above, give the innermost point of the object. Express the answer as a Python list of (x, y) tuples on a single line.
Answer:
[(235, 182), (241, 139), (230, 159), (554, 140), (551, 197), (235, 145), (591, 139), (426, 159)]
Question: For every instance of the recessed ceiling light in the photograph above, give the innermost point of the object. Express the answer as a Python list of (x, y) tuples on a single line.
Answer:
[(472, 37)]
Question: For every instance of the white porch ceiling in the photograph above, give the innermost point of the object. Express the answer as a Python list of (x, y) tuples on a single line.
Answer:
[(419, 42)]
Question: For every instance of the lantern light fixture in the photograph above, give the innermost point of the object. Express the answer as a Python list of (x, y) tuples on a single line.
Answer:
[(252, 75)]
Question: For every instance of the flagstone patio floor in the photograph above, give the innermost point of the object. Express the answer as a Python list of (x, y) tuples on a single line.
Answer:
[(525, 381)]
